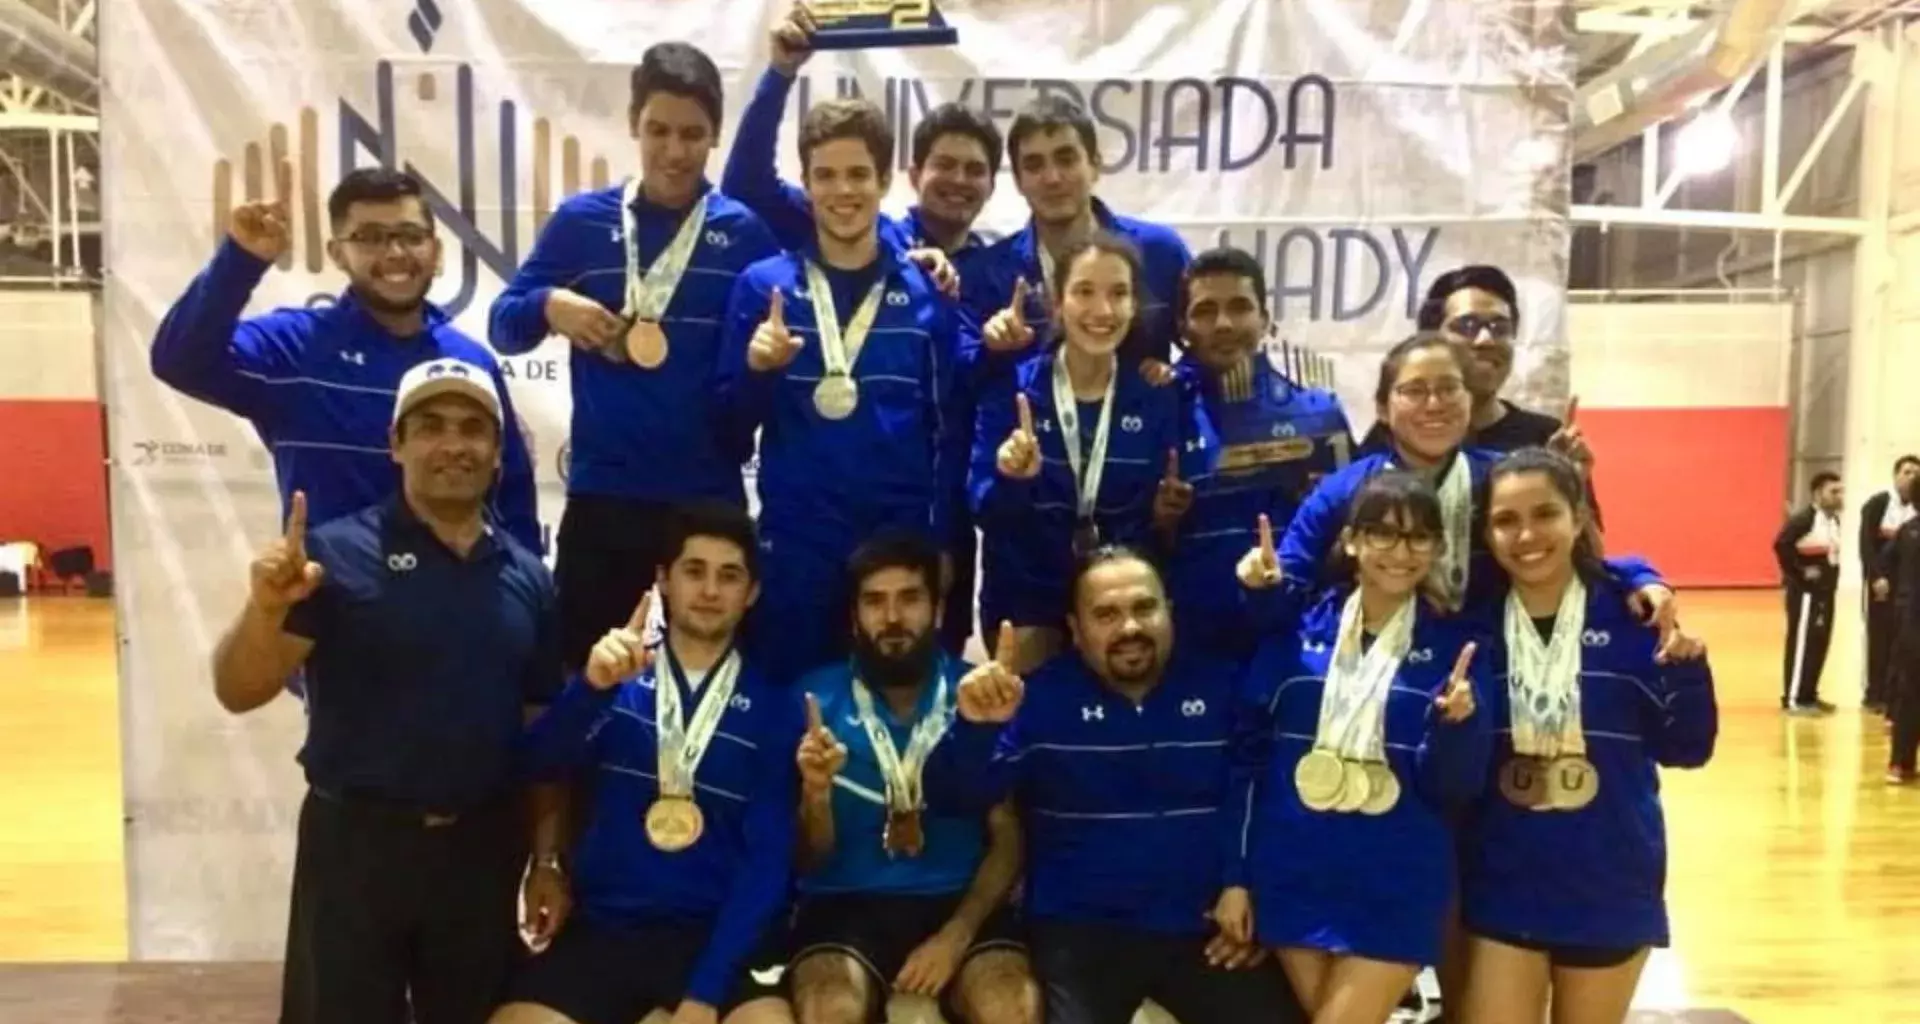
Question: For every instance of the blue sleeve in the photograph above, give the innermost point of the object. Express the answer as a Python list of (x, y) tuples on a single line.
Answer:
[(544, 675), (1249, 753), (953, 412), (203, 350), (742, 396), (1275, 611), (1634, 573), (516, 499), (996, 499), (1315, 529), (1686, 722), (517, 322), (760, 883), (1453, 757), (561, 739), (752, 174), (974, 767)]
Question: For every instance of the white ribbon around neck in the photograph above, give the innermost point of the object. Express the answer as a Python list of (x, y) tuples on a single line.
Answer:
[(682, 745), (649, 291), (1543, 677), (840, 347), (1089, 470), (902, 772), (1353, 701)]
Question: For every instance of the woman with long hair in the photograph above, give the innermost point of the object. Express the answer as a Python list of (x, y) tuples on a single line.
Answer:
[(1357, 733), (1075, 452), (1564, 859)]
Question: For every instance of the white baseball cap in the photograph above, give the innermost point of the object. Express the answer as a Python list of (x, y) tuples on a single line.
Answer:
[(446, 377)]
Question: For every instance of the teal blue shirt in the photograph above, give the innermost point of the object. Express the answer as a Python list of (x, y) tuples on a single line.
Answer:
[(859, 862)]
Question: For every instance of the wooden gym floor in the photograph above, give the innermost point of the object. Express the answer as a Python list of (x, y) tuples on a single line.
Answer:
[(1794, 882)]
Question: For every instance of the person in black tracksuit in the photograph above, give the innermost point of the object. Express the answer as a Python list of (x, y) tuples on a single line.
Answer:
[(1880, 518), (1808, 550), (1899, 565)]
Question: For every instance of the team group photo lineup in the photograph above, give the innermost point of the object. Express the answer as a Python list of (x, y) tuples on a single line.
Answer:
[(927, 622)]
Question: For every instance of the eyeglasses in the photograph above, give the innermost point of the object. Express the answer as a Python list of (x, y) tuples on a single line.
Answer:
[(1385, 538), (1420, 392), (1471, 325), (378, 239)]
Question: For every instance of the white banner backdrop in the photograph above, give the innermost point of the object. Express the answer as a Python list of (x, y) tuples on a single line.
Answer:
[(1357, 148)]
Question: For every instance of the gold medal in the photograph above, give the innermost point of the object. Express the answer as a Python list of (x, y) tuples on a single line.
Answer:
[(674, 823), (647, 344), (1571, 783), (1383, 789), (1523, 781), (836, 396), (903, 835), (1317, 777), (1355, 787)]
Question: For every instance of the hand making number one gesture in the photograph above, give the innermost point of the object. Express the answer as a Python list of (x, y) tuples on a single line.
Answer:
[(1007, 330), (820, 756), (1174, 496), (773, 346), (282, 575), (991, 693), (1259, 568), (1456, 701), (1019, 455), (622, 653)]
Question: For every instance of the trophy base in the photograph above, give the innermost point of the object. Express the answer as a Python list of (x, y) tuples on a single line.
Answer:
[(883, 38)]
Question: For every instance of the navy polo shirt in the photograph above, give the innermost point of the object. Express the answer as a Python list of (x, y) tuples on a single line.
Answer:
[(422, 661)]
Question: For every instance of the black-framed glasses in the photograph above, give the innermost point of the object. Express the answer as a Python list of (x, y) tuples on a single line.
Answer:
[(1420, 392), (379, 237), (1381, 537), (1473, 325)]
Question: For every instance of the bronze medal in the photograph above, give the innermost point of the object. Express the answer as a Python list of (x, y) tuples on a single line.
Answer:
[(1571, 783), (647, 344), (904, 836), (1355, 787), (674, 823), (1383, 789), (1523, 781), (1317, 777)]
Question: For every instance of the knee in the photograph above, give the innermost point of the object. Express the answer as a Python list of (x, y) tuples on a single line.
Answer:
[(998, 988), (829, 988)]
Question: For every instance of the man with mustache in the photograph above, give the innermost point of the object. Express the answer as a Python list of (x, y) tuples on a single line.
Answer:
[(318, 383), (1277, 439), (840, 358), (1056, 164), (636, 278), (1116, 754), (426, 635), (955, 156), (893, 898)]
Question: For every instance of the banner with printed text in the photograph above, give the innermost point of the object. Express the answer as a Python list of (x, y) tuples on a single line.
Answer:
[(1357, 149)]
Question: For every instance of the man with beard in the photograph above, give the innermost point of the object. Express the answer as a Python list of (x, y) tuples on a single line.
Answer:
[(1880, 520), (1807, 549), (1277, 438), (853, 437), (636, 278), (318, 383), (683, 864), (892, 898), (424, 635), (1056, 164), (955, 156), (1116, 755)]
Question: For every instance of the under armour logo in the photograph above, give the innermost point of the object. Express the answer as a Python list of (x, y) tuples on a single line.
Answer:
[(718, 239), (356, 358), (1193, 708), (403, 562), (1091, 714), (740, 702), (1046, 426), (896, 298), (1420, 657), (1131, 424), (1284, 429), (1595, 638), (1314, 647)]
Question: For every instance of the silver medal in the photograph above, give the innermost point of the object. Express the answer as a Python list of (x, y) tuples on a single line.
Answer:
[(836, 397)]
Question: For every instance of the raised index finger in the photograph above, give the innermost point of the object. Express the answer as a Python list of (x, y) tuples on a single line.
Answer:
[(1026, 413), (1465, 660), (1266, 539), (775, 314), (638, 623), (814, 722), (1019, 305), (1003, 646), (1173, 465), (297, 521), (1573, 409)]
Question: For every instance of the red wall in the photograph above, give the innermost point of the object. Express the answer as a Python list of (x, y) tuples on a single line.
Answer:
[(1699, 492), (53, 476)]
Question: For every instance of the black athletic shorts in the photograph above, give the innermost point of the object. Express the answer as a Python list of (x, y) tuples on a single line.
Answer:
[(1588, 957), (604, 974), (881, 931)]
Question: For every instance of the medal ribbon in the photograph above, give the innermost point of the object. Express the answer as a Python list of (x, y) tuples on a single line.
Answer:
[(1543, 678), (839, 349), (902, 772), (1353, 701), (683, 746), (1456, 513), (1066, 410), (648, 293)]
